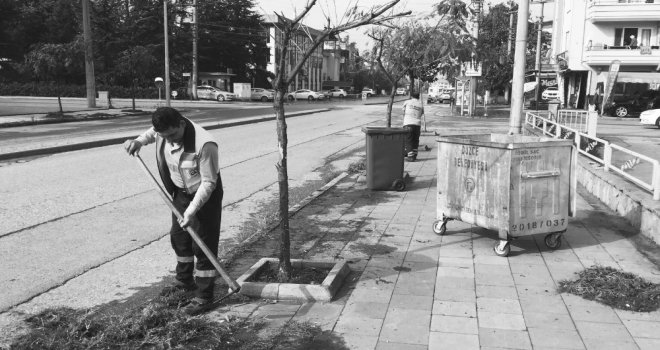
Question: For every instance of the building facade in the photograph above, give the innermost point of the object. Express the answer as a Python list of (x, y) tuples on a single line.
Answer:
[(310, 77), (335, 65), (590, 35)]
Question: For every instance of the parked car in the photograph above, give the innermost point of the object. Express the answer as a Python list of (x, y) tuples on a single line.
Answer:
[(550, 93), (400, 91), (341, 93), (633, 105), (369, 91), (650, 117), (262, 94), (208, 92), (445, 96), (305, 94)]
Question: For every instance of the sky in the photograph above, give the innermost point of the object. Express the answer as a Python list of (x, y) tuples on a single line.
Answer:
[(336, 8)]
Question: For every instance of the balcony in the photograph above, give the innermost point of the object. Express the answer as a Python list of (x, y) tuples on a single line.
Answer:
[(623, 10), (604, 55)]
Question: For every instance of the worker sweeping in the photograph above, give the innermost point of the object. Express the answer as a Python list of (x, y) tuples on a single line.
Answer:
[(412, 121), (188, 164)]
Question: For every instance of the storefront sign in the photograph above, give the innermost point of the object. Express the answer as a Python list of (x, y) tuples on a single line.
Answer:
[(611, 79)]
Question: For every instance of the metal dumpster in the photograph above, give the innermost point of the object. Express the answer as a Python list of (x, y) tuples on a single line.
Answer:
[(518, 185), (385, 157)]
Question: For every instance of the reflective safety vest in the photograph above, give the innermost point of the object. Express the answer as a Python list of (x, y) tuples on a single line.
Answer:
[(413, 111), (194, 138)]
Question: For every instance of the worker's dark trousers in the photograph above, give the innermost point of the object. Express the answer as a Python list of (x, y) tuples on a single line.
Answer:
[(412, 140), (209, 217)]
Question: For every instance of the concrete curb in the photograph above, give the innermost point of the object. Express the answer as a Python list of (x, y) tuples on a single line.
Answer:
[(120, 139), (294, 291), (634, 204)]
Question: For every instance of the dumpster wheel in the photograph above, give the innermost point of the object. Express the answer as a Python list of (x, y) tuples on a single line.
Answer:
[(502, 248), (399, 185), (440, 227), (553, 240)]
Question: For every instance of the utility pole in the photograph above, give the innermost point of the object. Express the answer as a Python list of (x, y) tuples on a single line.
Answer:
[(515, 118), (537, 66), (167, 55), (509, 49), (89, 57), (193, 75)]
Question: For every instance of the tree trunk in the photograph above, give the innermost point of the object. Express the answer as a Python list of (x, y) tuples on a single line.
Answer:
[(59, 102), (390, 103), (133, 95), (284, 274)]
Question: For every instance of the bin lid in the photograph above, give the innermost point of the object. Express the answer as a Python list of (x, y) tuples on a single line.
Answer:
[(383, 130), (504, 141)]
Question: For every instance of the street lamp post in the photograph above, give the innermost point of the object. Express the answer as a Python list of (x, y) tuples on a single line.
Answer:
[(473, 79), (537, 66)]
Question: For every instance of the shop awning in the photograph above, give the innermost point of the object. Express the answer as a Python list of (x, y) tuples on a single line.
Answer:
[(638, 77)]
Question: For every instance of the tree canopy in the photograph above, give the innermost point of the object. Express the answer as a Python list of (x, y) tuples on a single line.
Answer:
[(231, 36)]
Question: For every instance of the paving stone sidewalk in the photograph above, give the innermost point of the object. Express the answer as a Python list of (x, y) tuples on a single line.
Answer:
[(412, 289)]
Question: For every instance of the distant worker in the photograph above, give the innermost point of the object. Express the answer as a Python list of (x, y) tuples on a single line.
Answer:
[(633, 42), (187, 159), (412, 121)]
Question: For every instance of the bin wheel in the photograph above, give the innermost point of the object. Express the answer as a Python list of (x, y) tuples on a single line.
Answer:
[(502, 248), (553, 240), (399, 185), (440, 227)]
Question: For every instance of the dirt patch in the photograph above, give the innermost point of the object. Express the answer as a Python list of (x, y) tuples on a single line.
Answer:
[(372, 249), (299, 275)]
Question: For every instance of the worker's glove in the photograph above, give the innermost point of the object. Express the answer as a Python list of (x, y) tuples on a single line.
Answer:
[(132, 147), (189, 220)]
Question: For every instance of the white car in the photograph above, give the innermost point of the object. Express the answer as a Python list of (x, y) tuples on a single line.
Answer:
[(400, 91), (305, 94), (262, 95), (369, 91), (650, 117), (208, 92), (336, 93), (550, 93)]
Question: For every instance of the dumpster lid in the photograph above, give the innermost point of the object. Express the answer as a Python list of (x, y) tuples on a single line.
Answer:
[(504, 140), (383, 130)]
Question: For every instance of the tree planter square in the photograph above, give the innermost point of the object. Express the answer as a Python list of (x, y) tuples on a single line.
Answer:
[(294, 291)]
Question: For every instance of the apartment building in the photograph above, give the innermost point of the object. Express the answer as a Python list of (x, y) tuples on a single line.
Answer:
[(589, 35), (310, 77), (336, 55)]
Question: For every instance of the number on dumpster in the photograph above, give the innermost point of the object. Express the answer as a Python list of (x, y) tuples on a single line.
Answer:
[(532, 225)]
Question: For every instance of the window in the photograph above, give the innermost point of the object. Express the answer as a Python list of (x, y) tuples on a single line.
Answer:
[(622, 36), (645, 38)]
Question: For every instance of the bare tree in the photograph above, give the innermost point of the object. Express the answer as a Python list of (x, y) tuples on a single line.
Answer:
[(414, 48), (352, 18)]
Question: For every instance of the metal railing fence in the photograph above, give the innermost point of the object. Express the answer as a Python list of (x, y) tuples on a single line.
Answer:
[(628, 164)]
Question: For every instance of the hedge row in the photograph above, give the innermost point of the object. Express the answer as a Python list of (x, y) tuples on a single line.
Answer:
[(53, 90)]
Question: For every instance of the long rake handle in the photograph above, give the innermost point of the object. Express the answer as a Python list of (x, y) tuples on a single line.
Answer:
[(233, 285)]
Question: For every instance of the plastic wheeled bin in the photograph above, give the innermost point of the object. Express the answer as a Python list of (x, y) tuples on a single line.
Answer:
[(518, 185), (385, 148)]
